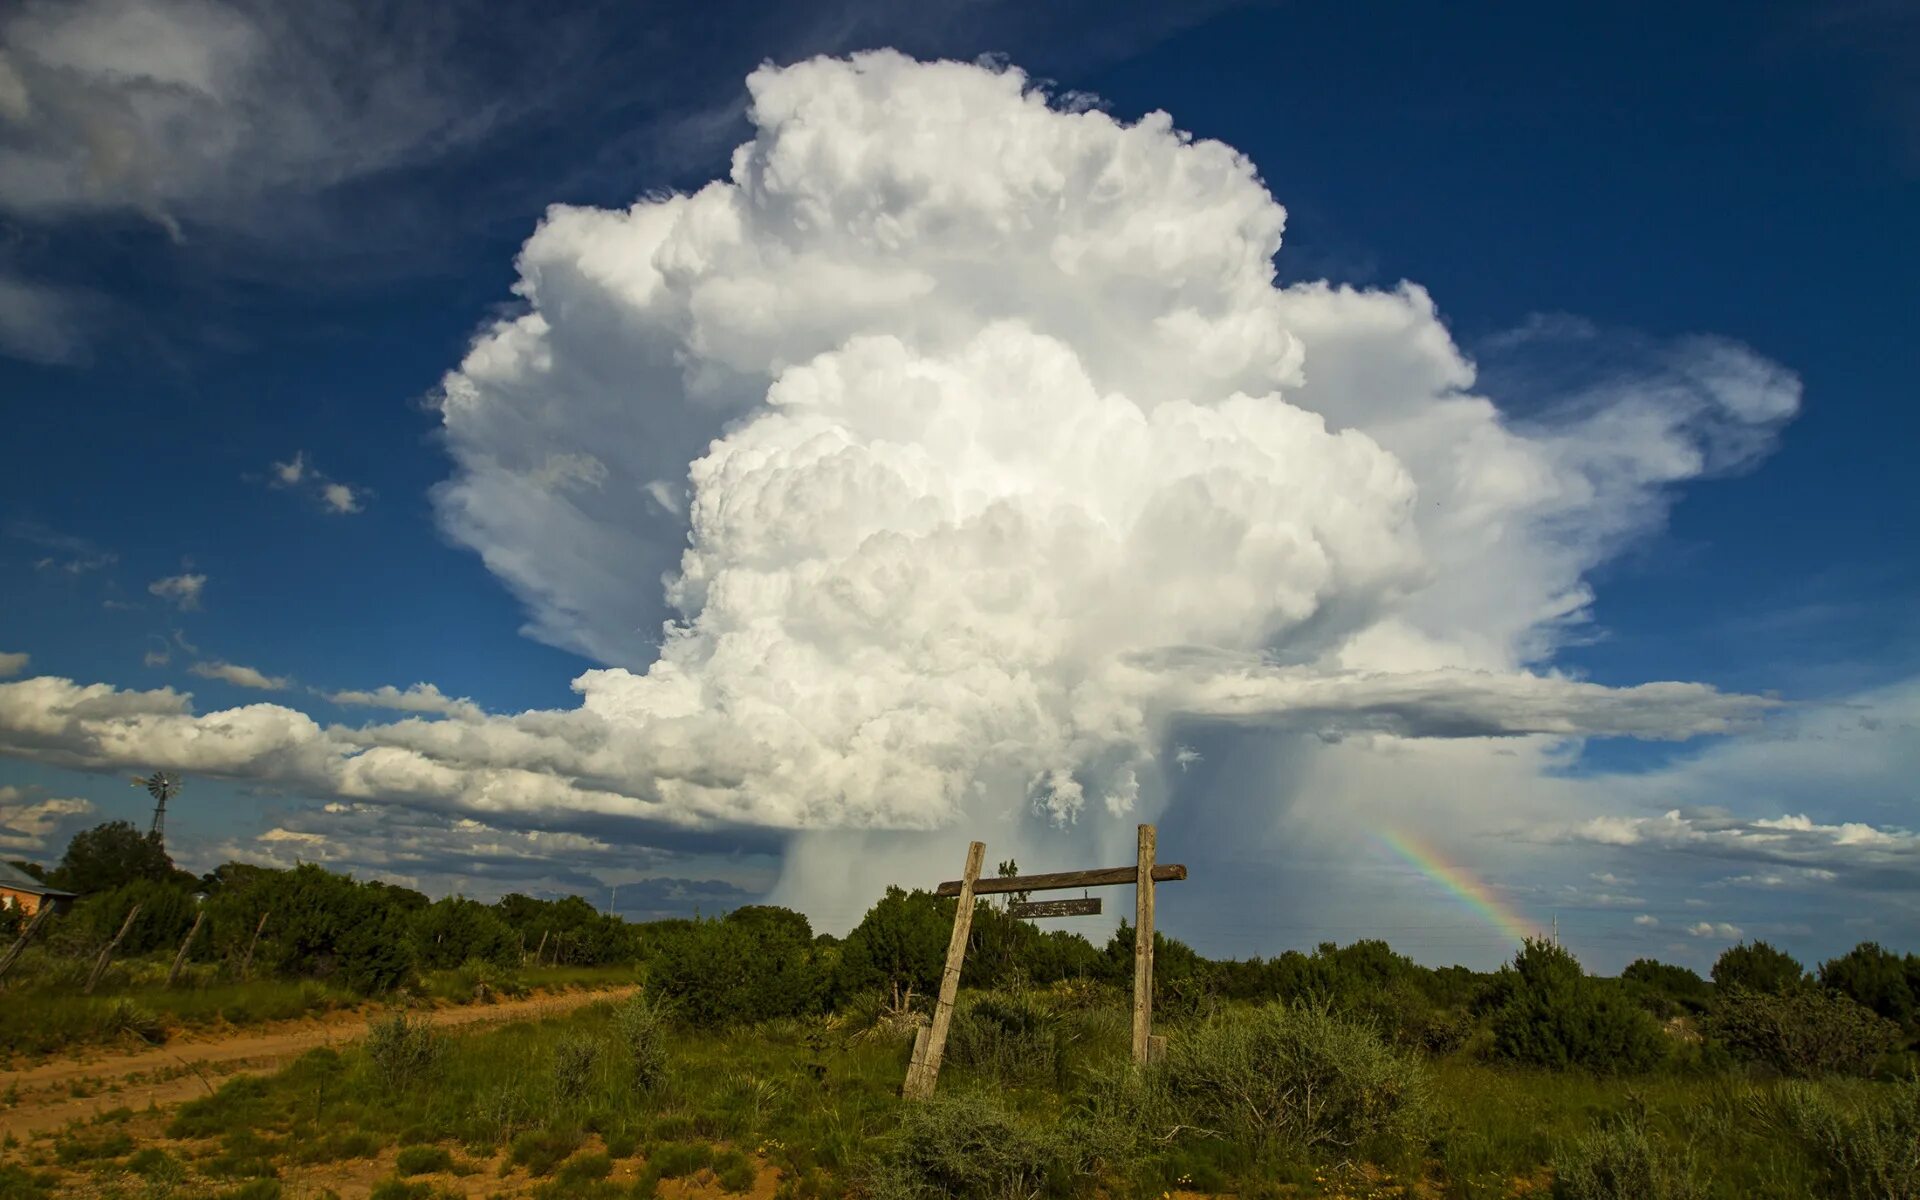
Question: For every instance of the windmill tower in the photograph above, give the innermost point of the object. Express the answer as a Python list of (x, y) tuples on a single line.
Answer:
[(162, 787)]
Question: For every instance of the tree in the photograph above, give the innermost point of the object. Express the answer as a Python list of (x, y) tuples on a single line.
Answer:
[(901, 943), (1758, 967), (1548, 1012), (110, 856), (1876, 978), (756, 963), (449, 932), (1663, 989)]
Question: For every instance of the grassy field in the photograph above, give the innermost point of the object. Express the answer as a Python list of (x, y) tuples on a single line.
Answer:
[(47, 1014), (1036, 1099)]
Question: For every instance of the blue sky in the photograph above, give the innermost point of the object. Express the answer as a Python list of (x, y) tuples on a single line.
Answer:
[(288, 263)]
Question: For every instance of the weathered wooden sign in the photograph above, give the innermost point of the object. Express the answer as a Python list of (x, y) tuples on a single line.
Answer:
[(1089, 907), (931, 1044)]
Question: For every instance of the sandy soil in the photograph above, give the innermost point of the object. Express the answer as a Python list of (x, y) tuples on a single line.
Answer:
[(49, 1095)]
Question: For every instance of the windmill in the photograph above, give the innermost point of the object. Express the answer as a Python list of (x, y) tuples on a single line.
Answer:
[(162, 787)]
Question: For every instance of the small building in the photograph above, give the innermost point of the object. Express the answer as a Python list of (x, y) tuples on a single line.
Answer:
[(22, 891)]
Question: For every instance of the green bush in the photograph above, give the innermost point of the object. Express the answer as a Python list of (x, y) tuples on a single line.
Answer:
[(1547, 1012), (1866, 1153), (403, 1051), (574, 1057), (961, 1146), (754, 964), (541, 1150), (1298, 1077), (1800, 1032), (422, 1160), (640, 1025), (1620, 1160), (1007, 1037)]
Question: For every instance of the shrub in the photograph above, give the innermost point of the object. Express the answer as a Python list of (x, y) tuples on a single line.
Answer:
[(422, 1160), (1300, 1077), (754, 964), (640, 1026), (1619, 1160), (585, 1168), (735, 1171), (1006, 1036), (574, 1057), (403, 1051), (1802, 1032), (1548, 1012), (541, 1150), (961, 1146), (1863, 1154)]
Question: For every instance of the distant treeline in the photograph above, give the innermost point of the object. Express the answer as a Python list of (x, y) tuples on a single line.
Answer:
[(760, 962)]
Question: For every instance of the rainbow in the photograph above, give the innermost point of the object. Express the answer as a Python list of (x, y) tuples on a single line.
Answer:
[(1461, 882)]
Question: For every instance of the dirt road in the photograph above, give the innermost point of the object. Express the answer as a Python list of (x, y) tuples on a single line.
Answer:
[(48, 1096)]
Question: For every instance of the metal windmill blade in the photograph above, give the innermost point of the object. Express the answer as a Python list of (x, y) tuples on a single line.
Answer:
[(162, 787)]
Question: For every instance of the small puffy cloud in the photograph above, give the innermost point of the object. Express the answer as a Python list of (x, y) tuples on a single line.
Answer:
[(291, 472), (420, 698), (26, 819), (1608, 878), (1647, 920), (340, 498), (156, 658), (182, 591), (13, 663), (1714, 929), (240, 676), (332, 496)]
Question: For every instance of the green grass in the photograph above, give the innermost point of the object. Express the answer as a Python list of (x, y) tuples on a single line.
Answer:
[(817, 1100)]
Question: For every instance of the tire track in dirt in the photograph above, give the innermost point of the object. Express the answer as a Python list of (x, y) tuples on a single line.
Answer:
[(43, 1097)]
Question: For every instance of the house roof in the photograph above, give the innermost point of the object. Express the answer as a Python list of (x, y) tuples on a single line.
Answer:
[(14, 879)]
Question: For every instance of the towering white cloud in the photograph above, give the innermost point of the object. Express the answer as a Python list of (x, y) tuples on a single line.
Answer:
[(1025, 453), (973, 445)]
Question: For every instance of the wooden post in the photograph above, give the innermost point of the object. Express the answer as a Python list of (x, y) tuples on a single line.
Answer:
[(106, 952), (180, 959), (26, 935), (1143, 947), (246, 964), (924, 1072)]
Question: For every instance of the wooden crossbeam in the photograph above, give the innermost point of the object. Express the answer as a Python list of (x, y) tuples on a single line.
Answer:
[(1101, 877)]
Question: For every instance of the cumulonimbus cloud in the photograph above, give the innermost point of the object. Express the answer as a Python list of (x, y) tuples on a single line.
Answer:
[(977, 444)]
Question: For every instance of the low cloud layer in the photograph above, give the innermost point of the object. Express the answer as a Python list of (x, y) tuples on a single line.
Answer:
[(28, 820)]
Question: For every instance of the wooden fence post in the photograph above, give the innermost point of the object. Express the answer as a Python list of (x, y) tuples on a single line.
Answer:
[(180, 959), (246, 964), (1143, 946), (924, 1071), (26, 935), (106, 952)]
